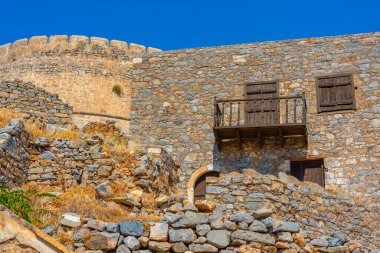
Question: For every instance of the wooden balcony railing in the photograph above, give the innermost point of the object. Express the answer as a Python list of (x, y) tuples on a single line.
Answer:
[(260, 112), (258, 118)]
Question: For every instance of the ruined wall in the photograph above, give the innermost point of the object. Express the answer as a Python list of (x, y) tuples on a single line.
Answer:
[(35, 104), (318, 211), (13, 154), (81, 70), (173, 93)]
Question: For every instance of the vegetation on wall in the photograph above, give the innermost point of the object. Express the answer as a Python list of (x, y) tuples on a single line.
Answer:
[(117, 89), (20, 202)]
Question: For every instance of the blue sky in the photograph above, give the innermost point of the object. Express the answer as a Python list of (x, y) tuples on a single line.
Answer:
[(175, 24)]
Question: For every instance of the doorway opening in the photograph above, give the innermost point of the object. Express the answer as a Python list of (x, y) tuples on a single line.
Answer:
[(200, 185), (309, 170)]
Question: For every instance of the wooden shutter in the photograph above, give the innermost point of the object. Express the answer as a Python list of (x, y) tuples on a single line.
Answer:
[(335, 93), (262, 112)]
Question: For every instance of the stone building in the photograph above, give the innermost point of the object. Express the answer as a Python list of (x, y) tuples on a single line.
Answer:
[(306, 107)]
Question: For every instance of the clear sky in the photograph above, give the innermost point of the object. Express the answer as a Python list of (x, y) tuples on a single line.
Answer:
[(175, 24)]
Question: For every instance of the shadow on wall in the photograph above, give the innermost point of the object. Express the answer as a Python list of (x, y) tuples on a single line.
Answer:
[(268, 158)]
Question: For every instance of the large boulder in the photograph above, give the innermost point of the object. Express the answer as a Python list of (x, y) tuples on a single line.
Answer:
[(102, 241), (70, 220), (250, 236), (122, 249), (258, 226), (202, 248), (179, 247), (134, 228), (285, 226), (126, 200), (103, 190), (96, 224), (191, 220), (205, 205), (219, 238), (132, 243), (203, 229), (159, 232), (182, 235), (159, 246)]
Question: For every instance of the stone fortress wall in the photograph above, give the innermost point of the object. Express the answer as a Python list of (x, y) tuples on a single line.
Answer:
[(81, 70), (35, 104), (173, 94)]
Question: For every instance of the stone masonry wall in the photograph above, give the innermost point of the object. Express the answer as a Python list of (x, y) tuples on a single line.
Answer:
[(13, 154), (81, 70), (64, 163), (318, 211), (173, 94), (35, 104)]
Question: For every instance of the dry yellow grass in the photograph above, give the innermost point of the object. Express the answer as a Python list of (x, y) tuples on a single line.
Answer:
[(6, 116), (82, 200), (66, 237), (36, 130)]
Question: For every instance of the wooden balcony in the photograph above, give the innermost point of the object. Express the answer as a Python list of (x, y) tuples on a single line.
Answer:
[(259, 118)]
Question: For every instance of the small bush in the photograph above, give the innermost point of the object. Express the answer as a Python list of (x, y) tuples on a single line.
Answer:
[(20, 203), (117, 90)]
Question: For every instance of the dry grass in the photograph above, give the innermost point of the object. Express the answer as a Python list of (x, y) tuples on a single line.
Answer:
[(36, 130), (82, 200), (6, 116), (66, 237)]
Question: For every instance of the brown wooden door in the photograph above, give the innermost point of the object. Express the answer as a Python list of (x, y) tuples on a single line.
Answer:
[(200, 185), (311, 171), (262, 111)]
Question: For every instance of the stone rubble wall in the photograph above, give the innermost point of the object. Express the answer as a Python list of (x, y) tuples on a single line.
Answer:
[(65, 163), (81, 70), (13, 154), (35, 104), (173, 100), (318, 211), (243, 213)]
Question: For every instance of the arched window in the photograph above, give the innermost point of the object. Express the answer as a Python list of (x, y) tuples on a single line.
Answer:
[(200, 185)]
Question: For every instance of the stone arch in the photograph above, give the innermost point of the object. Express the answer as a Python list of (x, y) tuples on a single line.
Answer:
[(194, 177)]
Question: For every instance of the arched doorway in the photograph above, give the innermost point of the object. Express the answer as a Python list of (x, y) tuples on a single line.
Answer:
[(200, 185), (196, 176)]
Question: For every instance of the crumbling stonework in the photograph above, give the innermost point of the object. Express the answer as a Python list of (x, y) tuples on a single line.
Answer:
[(173, 100), (35, 104), (13, 154), (317, 210), (247, 213)]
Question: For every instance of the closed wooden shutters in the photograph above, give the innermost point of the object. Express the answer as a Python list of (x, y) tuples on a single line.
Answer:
[(200, 185), (311, 171), (335, 93), (262, 111)]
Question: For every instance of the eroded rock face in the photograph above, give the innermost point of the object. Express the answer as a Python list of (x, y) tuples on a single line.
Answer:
[(159, 246), (70, 219), (159, 232), (250, 236), (219, 238), (202, 248), (133, 228), (182, 235), (102, 241)]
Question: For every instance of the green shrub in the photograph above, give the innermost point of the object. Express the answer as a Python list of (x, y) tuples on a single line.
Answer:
[(117, 90), (20, 203)]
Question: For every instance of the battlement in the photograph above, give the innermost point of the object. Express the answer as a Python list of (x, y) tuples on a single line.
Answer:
[(61, 43)]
